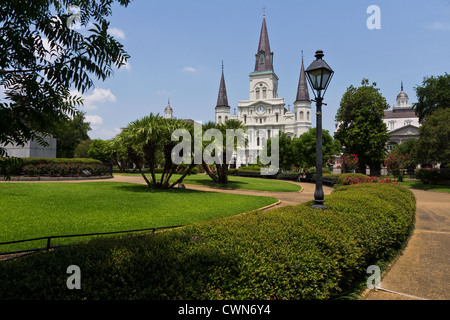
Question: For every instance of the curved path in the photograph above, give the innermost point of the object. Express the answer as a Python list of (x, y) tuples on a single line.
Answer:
[(286, 198), (421, 271)]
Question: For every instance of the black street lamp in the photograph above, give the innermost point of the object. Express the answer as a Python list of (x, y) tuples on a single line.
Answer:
[(319, 75)]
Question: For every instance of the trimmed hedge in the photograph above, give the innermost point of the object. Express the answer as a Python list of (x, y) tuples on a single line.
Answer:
[(293, 252), (57, 166), (433, 176)]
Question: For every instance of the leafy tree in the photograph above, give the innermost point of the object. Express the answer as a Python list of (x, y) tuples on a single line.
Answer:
[(81, 150), (305, 147), (69, 133), (433, 94), (361, 127), (100, 150), (406, 148), (433, 145), (43, 58)]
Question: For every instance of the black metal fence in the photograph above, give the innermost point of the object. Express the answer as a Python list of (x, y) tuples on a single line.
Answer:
[(49, 238)]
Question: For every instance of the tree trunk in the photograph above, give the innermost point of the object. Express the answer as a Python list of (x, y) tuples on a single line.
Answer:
[(185, 173), (133, 155), (209, 172)]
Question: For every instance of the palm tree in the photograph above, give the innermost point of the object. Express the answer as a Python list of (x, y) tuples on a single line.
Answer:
[(148, 137), (221, 174)]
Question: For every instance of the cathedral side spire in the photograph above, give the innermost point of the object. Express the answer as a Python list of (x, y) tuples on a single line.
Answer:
[(264, 57), (302, 90), (222, 99)]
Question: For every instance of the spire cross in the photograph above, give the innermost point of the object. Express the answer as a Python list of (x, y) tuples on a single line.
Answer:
[(264, 10), (222, 65)]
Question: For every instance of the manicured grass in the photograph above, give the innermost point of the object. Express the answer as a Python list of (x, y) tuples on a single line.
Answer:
[(422, 186), (236, 182), (31, 210)]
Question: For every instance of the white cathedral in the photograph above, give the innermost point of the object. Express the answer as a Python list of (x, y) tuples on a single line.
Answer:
[(265, 114)]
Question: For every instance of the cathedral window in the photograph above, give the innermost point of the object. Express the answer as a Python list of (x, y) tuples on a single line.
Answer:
[(261, 57), (245, 118), (276, 117), (257, 141), (307, 116), (220, 119), (257, 93), (408, 122), (264, 90), (301, 115)]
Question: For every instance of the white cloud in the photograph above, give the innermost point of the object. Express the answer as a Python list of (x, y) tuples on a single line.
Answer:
[(95, 121), (98, 95), (439, 26), (116, 32), (189, 69)]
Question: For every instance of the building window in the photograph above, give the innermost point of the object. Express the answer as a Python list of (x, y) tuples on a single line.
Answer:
[(268, 134), (257, 93), (391, 125), (276, 117), (260, 120), (220, 119), (245, 118), (296, 116), (261, 57), (264, 93), (226, 118), (408, 122), (302, 115), (307, 116), (257, 141)]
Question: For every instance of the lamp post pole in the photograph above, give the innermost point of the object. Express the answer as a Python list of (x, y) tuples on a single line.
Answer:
[(318, 193), (319, 75)]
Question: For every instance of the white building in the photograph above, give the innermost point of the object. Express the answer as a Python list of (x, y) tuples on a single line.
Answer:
[(402, 123), (32, 149), (265, 114)]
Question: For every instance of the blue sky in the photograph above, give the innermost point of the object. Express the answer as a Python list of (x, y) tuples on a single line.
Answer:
[(177, 46)]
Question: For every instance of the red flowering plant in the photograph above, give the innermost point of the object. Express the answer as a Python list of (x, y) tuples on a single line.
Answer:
[(349, 162), (396, 163), (349, 180)]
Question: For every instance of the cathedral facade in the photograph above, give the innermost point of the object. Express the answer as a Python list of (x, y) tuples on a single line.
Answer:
[(265, 114)]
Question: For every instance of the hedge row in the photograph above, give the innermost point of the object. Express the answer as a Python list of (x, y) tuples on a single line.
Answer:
[(18, 167), (433, 176), (292, 252)]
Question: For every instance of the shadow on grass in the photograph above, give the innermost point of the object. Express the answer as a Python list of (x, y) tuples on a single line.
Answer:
[(140, 188)]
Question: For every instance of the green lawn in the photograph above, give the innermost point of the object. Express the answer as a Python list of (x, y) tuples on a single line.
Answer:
[(422, 186), (236, 182), (31, 210)]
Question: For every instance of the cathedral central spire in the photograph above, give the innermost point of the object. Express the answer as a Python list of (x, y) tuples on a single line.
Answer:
[(264, 57)]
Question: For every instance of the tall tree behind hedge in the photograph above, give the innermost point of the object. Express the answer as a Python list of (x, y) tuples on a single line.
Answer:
[(433, 145), (433, 94), (69, 134), (42, 58), (361, 127)]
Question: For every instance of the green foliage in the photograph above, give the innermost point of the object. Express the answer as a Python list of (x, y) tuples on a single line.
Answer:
[(433, 94), (434, 176), (100, 150), (293, 253), (81, 150), (43, 58), (361, 126), (62, 169), (69, 133), (433, 145), (17, 167)]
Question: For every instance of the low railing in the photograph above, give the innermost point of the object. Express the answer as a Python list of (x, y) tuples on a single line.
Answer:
[(49, 238)]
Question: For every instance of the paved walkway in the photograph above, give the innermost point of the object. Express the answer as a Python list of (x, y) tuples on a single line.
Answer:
[(286, 198), (422, 271)]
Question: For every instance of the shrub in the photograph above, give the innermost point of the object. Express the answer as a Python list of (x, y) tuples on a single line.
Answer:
[(348, 180), (293, 252), (433, 176), (64, 169), (25, 162)]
